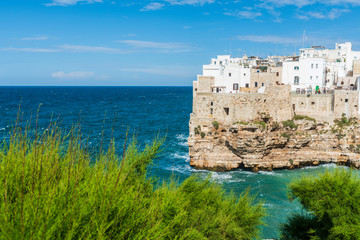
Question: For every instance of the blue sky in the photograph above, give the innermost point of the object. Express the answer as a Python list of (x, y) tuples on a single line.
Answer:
[(156, 43)]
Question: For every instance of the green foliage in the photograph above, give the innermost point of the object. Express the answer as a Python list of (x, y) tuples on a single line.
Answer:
[(345, 122), (52, 187), (291, 161), (299, 227), (197, 130), (333, 199), (215, 125), (303, 117), (286, 135), (202, 134), (261, 123), (290, 124)]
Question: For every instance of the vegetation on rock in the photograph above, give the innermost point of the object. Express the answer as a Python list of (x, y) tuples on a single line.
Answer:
[(303, 117), (290, 123), (215, 125)]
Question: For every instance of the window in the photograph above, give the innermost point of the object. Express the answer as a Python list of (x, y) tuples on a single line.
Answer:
[(296, 68), (262, 84), (212, 103), (247, 85), (217, 90), (311, 77), (256, 84), (211, 111), (317, 66), (235, 86), (296, 80), (226, 111), (346, 100), (312, 103), (277, 74), (312, 65), (220, 62), (215, 62), (195, 89), (229, 74), (317, 77)]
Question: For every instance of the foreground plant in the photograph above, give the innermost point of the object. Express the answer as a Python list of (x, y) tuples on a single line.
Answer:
[(51, 187), (332, 200)]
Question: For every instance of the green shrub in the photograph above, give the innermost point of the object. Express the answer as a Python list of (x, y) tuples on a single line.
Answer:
[(261, 123), (286, 135), (303, 117), (345, 122), (215, 125), (202, 134), (291, 161), (53, 187), (197, 130), (290, 123), (332, 201)]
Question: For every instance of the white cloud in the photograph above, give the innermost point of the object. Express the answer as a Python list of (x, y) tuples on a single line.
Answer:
[(244, 14), (168, 46), (302, 3), (35, 38), (168, 70), (30, 50), (157, 5), (268, 39), (72, 75), (152, 6), (92, 49), (71, 2), (331, 14), (190, 2)]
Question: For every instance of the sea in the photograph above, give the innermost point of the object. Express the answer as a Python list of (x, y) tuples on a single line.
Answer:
[(145, 113)]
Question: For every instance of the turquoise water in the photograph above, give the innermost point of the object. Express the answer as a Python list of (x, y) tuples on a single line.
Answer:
[(146, 111)]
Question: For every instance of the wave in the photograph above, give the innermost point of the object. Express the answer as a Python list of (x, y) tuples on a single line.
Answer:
[(182, 139), (185, 157)]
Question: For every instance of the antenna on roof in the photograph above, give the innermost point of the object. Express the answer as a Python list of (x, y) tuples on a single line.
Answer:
[(304, 36)]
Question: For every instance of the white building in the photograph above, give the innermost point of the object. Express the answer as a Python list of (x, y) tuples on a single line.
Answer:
[(230, 73), (342, 53), (304, 74)]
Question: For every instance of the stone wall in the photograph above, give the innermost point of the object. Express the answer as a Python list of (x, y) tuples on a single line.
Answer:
[(356, 67), (265, 79), (230, 108), (346, 102), (318, 106)]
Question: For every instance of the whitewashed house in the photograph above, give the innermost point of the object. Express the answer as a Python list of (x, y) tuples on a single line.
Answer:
[(306, 73), (230, 73)]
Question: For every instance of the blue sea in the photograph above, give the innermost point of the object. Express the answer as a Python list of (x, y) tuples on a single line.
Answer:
[(146, 112)]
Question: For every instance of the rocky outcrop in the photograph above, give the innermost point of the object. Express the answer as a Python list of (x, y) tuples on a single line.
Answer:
[(266, 146)]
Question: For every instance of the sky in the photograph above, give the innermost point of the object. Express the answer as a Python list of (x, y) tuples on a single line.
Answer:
[(157, 43)]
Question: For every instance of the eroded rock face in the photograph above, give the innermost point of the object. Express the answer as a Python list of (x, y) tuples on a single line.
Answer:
[(257, 147)]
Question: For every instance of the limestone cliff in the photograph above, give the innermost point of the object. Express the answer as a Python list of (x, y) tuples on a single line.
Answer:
[(267, 145)]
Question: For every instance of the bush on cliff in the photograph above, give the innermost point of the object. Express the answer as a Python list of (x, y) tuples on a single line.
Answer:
[(290, 123), (52, 187), (332, 200), (215, 125), (303, 117)]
